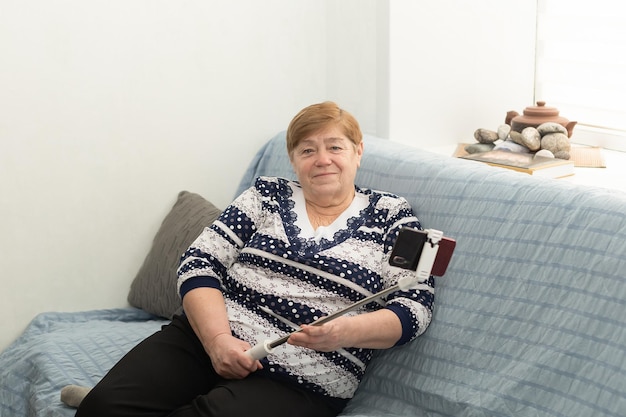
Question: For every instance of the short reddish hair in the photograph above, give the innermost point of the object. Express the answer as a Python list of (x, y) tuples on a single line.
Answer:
[(318, 117)]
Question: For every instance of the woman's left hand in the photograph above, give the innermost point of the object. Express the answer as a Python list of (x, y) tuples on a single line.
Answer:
[(379, 329), (324, 338)]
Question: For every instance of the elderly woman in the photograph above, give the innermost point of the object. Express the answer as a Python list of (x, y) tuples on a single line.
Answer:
[(282, 255)]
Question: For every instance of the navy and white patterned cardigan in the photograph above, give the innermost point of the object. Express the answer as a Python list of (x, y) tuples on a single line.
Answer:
[(275, 275)]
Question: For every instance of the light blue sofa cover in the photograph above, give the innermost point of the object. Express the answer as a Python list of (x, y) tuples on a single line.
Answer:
[(530, 318)]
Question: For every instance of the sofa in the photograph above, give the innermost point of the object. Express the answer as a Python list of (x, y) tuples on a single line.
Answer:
[(529, 319)]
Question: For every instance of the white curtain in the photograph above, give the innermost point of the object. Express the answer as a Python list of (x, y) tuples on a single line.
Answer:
[(581, 62)]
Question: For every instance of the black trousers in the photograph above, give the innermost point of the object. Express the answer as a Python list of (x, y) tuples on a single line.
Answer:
[(169, 374)]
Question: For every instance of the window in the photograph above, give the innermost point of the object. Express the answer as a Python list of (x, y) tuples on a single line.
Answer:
[(581, 67)]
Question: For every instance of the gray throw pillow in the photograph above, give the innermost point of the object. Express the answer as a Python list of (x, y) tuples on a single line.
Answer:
[(154, 286)]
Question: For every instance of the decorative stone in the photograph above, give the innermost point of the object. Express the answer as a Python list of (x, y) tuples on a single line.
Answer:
[(551, 127), (485, 136), (528, 138), (516, 137), (557, 143), (503, 131), (562, 155), (479, 147), (545, 153), (531, 138)]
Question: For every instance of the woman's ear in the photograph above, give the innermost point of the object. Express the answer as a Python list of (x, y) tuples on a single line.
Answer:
[(359, 153)]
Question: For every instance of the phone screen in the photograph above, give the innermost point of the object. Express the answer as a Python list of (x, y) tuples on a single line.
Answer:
[(408, 248)]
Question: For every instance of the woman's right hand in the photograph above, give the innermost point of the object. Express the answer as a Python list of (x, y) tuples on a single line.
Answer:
[(228, 357), (206, 311)]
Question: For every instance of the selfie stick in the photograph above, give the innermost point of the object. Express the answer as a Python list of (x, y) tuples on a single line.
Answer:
[(422, 272)]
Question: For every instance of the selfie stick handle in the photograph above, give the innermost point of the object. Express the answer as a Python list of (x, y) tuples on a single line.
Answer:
[(422, 272), (260, 350)]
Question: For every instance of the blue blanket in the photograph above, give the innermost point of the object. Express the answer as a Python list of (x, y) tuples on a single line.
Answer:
[(58, 349)]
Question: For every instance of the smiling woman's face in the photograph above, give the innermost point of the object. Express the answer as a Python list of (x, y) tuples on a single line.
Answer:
[(326, 163)]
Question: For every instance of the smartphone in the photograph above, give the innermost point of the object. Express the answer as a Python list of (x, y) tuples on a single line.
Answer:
[(408, 247)]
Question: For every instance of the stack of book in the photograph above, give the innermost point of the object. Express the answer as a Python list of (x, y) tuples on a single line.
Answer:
[(525, 162)]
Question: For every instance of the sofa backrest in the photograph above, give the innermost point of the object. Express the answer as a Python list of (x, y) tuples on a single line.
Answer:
[(530, 318)]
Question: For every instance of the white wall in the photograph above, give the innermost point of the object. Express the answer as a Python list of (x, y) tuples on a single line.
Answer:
[(457, 66), (352, 32), (109, 108)]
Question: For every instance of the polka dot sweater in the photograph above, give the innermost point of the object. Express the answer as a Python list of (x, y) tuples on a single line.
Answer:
[(277, 273)]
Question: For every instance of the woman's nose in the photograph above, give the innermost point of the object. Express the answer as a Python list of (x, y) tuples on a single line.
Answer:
[(323, 158)]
